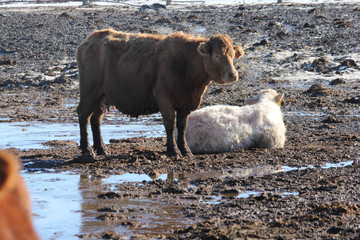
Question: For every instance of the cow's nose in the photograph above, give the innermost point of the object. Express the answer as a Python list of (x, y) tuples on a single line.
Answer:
[(232, 76)]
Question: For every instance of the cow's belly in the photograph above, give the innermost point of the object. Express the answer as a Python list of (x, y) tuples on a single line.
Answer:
[(131, 100), (136, 108), (129, 84)]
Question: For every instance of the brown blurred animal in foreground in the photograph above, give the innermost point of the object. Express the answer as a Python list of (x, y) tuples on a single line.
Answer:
[(15, 206), (147, 73)]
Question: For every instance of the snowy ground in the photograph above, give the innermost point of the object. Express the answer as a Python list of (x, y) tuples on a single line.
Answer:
[(175, 2)]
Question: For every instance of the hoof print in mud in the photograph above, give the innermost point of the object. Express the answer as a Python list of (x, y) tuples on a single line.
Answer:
[(108, 217), (110, 195)]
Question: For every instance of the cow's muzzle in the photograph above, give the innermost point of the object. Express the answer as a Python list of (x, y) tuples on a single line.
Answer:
[(231, 77)]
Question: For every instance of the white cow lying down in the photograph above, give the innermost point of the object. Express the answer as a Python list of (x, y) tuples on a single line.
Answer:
[(222, 128)]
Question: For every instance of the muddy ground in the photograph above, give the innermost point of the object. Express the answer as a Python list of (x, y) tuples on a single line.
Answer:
[(308, 52)]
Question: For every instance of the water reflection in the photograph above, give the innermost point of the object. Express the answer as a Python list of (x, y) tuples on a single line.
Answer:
[(89, 189), (133, 212), (181, 177), (257, 171), (33, 135), (66, 205), (55, 204)]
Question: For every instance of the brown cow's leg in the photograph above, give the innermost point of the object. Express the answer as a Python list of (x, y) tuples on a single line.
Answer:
[(95, 121), (181, 122), (169, 123), (85, 111), (86, 151)]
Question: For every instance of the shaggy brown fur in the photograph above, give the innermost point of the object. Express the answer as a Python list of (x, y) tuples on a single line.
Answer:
[(144, 73), (15, 207)]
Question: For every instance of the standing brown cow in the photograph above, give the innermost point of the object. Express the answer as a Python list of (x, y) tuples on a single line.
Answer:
[(145, 73), (15, 206)]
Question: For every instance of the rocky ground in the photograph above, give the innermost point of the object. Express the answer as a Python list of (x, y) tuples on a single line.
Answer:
[(308, 52)]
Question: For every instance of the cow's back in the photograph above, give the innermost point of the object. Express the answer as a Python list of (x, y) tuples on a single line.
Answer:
[(103, 77), (130, 72)]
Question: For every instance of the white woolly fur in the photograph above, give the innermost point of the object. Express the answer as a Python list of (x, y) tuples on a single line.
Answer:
[(223, 128)]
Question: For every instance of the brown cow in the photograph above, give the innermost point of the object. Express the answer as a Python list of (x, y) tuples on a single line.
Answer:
[(15, 207), (145, 73)]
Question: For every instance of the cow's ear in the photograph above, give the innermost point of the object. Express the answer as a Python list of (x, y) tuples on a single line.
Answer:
[(203, 49), (239, 52), (278, 99)]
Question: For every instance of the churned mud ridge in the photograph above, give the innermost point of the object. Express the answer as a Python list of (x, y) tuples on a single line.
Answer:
[(307, 190)]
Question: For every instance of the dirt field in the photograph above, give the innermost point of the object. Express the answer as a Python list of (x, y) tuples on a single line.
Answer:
[(307, 190)]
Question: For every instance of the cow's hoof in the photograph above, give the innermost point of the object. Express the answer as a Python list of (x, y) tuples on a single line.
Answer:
[(187, 153), (84, 158), (87, 158), (102, 151), (173, 155)]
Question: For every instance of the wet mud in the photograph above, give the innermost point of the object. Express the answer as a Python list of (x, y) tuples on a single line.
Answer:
[(307, 190)]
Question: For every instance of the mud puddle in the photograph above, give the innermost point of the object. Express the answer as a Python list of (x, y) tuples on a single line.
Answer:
[(246, 194), (35, 135), (258, 171), (245, 173), (67, 204)]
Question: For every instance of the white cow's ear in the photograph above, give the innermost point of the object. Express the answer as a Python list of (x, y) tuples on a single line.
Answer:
[(278, 99), (250, 101), (203, 49)]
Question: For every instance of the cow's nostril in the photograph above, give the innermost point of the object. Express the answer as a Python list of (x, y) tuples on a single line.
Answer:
[(232, 75)]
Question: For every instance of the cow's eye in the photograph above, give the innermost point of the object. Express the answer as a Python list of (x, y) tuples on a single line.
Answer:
[(217, 56)]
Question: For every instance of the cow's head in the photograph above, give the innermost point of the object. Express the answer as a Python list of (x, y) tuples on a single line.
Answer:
[(219, 54), (267, 95)]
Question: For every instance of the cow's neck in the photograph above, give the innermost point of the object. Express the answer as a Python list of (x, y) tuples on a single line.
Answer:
[(199, 78), (198, 81)]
